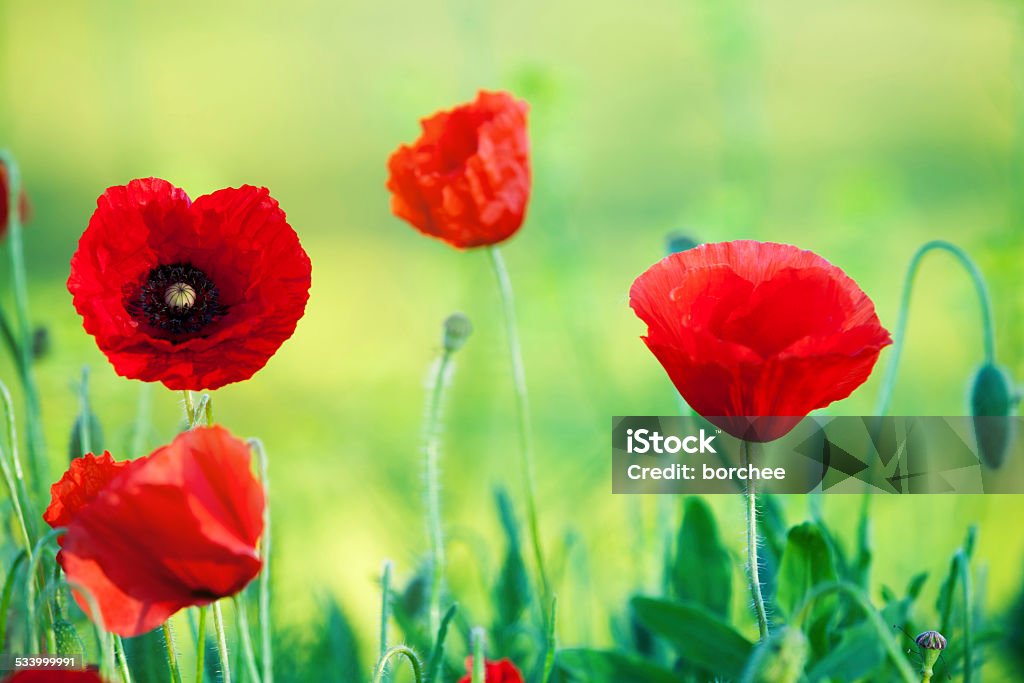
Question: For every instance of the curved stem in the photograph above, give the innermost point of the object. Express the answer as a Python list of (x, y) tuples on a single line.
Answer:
[(753, 564), (396, 651), (172, 653), (988, 327), (266, 649), (432, 456), (19, 282), (522, 398), (222, 643), (892, 649), (247, 650)]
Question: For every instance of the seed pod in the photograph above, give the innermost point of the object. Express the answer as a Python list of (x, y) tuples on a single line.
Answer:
[(67, 638), (779, 659), (992, 402), (457, 329), (931, 640)]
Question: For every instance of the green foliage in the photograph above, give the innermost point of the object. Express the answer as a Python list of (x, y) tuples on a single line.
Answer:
[(702, 570)]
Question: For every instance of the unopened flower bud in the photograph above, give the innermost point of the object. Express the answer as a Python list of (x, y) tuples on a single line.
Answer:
[(931, 640), (677, 241), (992, 402), (778, 659), (457, 329)]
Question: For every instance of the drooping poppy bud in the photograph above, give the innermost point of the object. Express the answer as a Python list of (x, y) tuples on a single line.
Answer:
[(992, 403), (24, 209)]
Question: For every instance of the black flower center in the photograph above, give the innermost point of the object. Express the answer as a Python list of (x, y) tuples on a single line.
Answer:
[(178, 299)]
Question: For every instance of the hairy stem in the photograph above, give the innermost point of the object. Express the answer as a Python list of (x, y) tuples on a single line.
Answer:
[(522, 400), (121, 660), (385, 607), (753, 566), (247, 649), (172, 652), (201, 645), (399, 651), (432, 456)]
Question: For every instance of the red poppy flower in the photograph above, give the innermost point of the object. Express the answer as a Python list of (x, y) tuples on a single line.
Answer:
[(53, 676), (503, 671), (466, 180), (173, 529), (192, 294), (756, 335), (24, 210)]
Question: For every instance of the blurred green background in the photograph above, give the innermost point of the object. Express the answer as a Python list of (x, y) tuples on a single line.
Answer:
[(857, 130)]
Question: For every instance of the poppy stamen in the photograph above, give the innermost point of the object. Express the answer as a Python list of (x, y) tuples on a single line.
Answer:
[(177, 299)]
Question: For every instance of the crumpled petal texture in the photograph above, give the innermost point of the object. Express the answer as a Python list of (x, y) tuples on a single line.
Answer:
[(503, 671), (239, 237), (174, 529), (466, 180), (85, 479), (756, 335)]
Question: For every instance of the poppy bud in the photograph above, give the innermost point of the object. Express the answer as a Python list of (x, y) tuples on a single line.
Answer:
[(67, 639), (457, 329), (779, 659), (676, 242), (992, 401), (24, 209), (931, 640), (40, 342)]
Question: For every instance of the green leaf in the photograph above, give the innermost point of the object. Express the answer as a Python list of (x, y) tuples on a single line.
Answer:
[(596, 666), (700, 637), (512, 592), (779, 658), (702, 571), (857, 654), (806, 562)]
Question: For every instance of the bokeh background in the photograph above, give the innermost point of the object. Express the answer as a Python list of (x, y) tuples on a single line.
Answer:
[(857, 130)]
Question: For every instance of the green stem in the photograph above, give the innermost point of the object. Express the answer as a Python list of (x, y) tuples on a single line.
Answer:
[(5, 597), (247, 650), (121, 660), (140, 429), (552, 644), (522, 398), (172, 653), (965, 584), (102, 636), (222, 643), (30, 584), (190, 411), (432, 453), (19, 281), (988, 327), (266, 648), (881, 630), (753, 567), (479, 637), (396, 651), (385, 607), (201, 644), (201, 412), (12, 474)]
